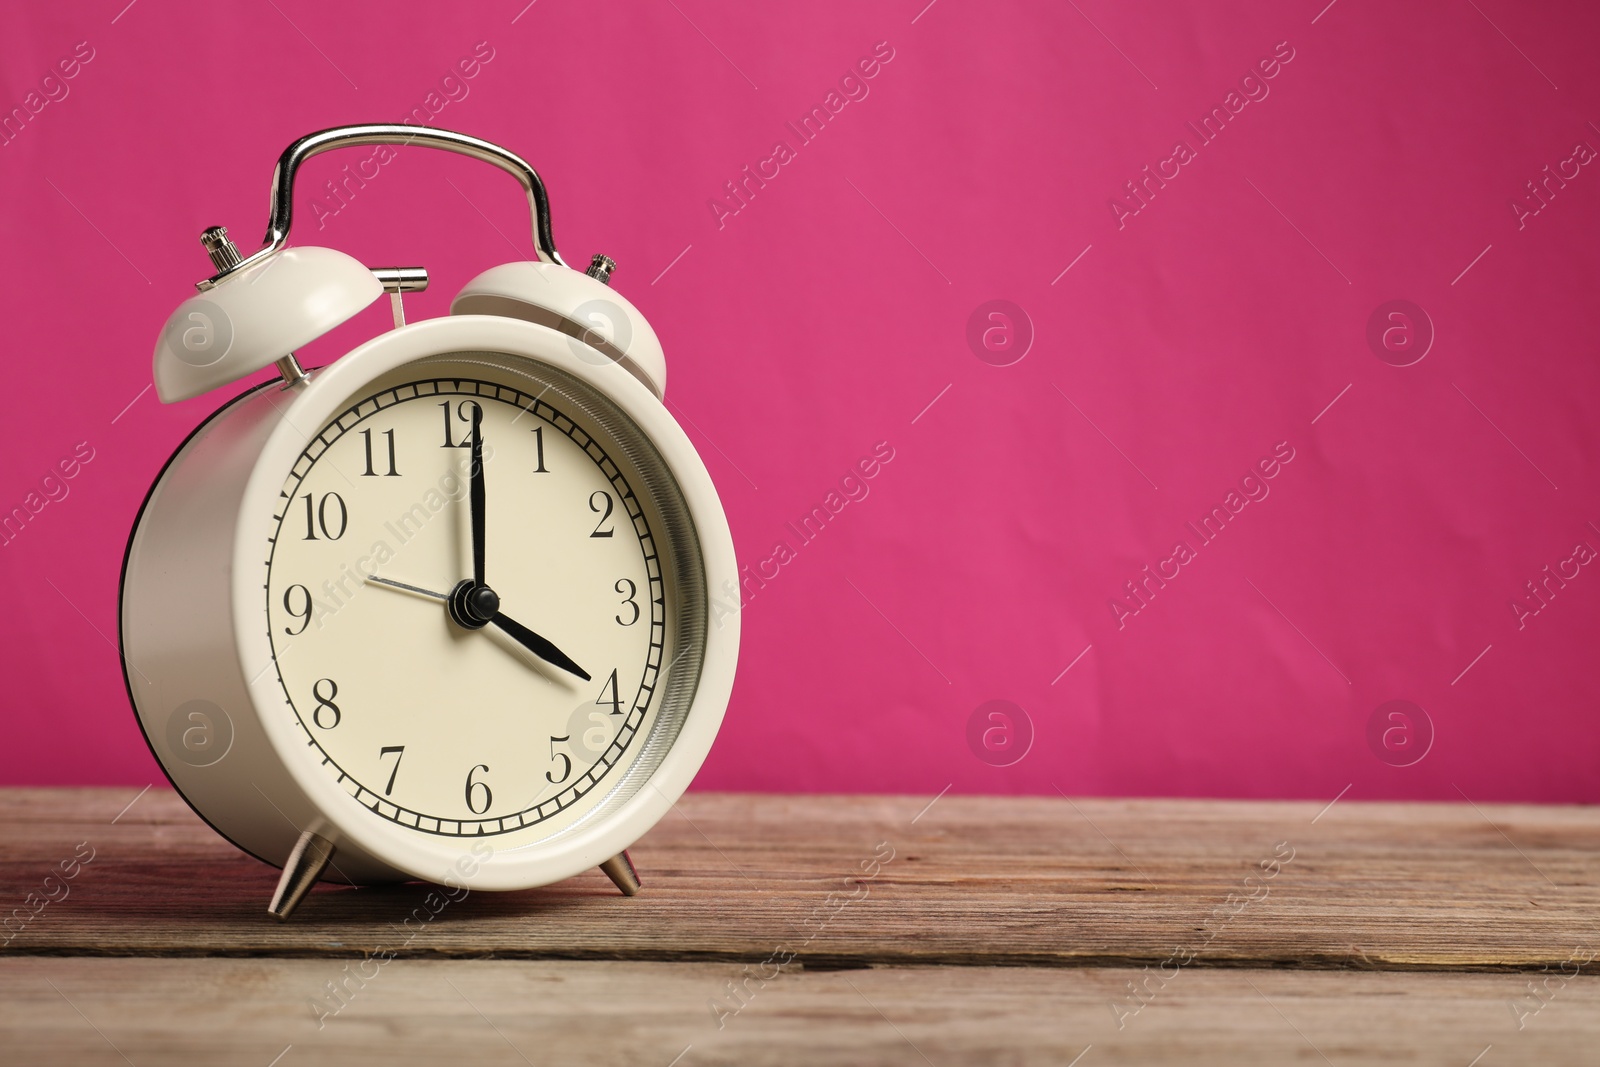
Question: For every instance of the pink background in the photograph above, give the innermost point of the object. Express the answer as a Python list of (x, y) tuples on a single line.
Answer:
[(825, 316)]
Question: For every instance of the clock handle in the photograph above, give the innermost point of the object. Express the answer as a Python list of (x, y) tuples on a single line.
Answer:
[(314, 144)]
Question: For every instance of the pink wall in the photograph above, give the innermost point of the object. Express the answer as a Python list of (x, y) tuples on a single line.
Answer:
[(1176, 343)]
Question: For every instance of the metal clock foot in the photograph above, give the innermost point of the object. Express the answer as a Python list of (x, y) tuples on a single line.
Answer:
[(619, 869), (308, 859)]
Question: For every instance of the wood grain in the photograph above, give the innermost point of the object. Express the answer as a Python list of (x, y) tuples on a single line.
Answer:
[(1039, 882), (493, 1012)]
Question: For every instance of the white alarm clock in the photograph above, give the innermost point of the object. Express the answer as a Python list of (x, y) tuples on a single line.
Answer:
[(441, 610)]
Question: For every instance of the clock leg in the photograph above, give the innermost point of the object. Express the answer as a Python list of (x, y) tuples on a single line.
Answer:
[(307, 860), (619, 869)]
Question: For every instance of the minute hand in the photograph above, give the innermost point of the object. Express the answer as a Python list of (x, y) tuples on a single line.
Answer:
[(537, 645), (476, 502)]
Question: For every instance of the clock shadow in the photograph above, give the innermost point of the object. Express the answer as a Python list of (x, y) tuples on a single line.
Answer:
[(422, 904), (220, 907), (413, 919), (205, 902)]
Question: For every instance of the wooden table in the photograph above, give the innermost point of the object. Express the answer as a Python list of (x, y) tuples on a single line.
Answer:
[(832, 930)]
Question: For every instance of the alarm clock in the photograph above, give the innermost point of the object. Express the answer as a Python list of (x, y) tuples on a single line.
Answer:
[(445, 609)]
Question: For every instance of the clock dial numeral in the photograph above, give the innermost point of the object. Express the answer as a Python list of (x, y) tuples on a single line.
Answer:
[(466, 411), (325, 703), (399, 754), (629, 590), (369, 472), (538, 444), (566, 761), (488, 796), (304, 615), (317, 519), (603, 509), (614, 701)]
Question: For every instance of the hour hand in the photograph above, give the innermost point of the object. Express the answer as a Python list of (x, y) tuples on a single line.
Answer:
[(536, 644), (474, 607)]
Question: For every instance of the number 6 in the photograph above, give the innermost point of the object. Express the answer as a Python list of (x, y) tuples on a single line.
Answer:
[(488, 797)]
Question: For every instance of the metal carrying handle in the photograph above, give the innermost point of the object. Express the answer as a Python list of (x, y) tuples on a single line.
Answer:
[(314, 144)]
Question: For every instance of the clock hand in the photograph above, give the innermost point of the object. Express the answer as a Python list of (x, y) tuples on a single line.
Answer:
[(476, 497), (474, 600), (471, 613), (536, 644)]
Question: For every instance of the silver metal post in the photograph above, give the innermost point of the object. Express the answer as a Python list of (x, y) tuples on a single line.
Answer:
[(397, 280)]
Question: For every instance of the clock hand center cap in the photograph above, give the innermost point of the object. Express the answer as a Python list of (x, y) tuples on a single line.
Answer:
[(472, 606)]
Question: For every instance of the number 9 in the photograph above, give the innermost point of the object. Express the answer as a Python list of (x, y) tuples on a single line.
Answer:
[(303, 615)]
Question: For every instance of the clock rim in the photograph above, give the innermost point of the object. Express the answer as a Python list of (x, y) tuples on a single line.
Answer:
[(438, 859)]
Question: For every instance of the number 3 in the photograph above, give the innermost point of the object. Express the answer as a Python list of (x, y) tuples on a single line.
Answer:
[(627, 600)]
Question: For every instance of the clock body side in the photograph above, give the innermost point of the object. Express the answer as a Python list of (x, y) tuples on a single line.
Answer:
[(179, 649)]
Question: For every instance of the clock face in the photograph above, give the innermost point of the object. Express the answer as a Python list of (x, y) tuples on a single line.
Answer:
[(521, 704)]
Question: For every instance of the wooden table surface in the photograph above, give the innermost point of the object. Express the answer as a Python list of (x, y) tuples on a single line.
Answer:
[(831, 930)]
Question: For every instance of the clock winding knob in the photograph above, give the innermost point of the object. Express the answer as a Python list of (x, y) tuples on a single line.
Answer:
[(600, 268), (223, 252)]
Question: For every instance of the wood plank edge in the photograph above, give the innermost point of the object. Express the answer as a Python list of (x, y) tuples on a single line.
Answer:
[(819, 963)]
